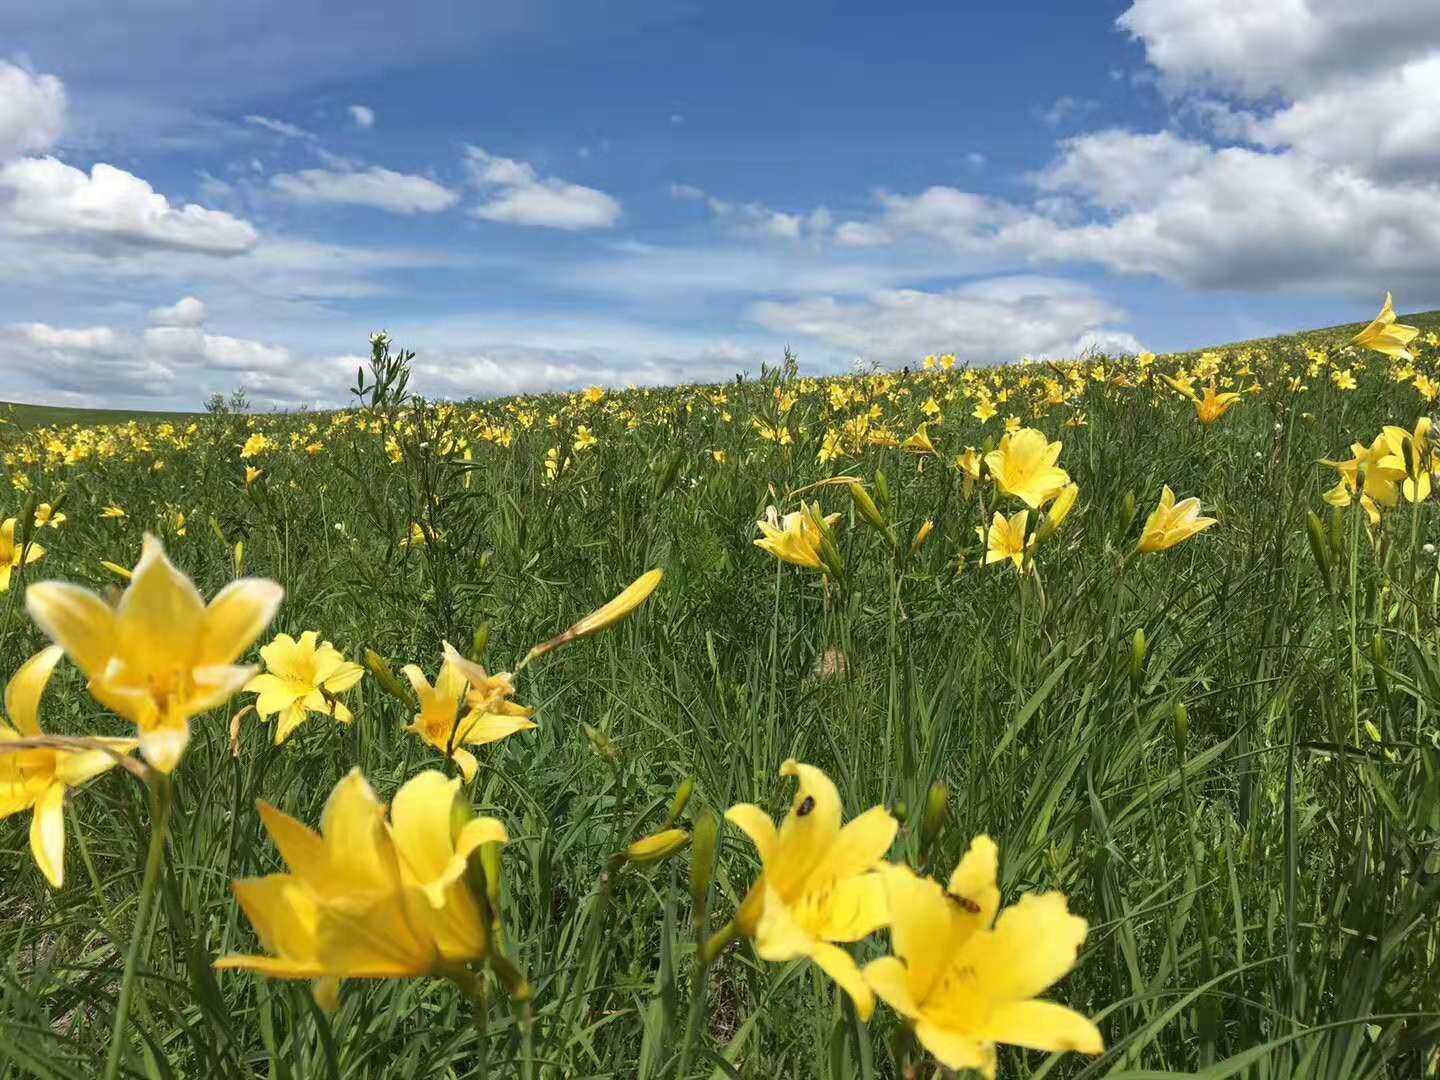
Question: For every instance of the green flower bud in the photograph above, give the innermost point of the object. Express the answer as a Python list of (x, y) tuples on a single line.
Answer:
[(1182, 726), (702, 864), (937, 804), (1137, 657), (677, 804), (866, 507), (1315, 533), (480, 642)]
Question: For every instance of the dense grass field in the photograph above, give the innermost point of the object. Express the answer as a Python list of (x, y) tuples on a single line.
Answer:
[(1221, 747)]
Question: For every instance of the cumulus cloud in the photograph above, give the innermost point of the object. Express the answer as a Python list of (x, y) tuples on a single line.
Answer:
[(32, 111), (362, 115), (993, 321), (46, 194), (400, 193), (515, 194), (188, 311)]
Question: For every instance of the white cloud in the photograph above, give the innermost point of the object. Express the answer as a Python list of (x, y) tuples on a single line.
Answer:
[(1065, 109), (113, 204), (1115, 168), (188, 311), (517, 195), (93, 339), (989, 322), (32, 111), (1385, 123), (1289, 46), (400, 193), (280, 127), (362, 115)]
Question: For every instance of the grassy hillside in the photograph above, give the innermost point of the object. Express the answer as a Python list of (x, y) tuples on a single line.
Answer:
[(31, 416), (1166, 633)]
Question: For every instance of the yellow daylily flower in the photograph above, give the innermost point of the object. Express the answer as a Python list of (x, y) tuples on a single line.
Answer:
[(1024, 466), (489, 718), (11, 556), (1385, 472), (45, 515), (1213, 406), (795, 538), (302, 677), (160, 655), (37, 779), (1006, 539), (1410, 452), (367, 899), (1385, 335), (1170, 523), (817, 883), (966, 980), (920, 443)]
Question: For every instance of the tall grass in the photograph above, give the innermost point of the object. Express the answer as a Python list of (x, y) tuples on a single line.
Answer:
[(1248, 814)]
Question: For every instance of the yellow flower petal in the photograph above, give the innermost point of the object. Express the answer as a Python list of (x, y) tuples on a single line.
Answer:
[(75, 619), (26, 686), (840, 966), (1043, 1025), (236, 616), (47, 834)]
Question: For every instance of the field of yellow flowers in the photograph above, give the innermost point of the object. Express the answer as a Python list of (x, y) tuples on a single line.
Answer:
[(1057, 719)]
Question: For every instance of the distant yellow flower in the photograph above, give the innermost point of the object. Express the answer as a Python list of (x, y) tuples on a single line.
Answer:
[(967, 980), (489, 718), (112, 512), (1006, 539), (1385, 335), (984, 410), (301, 677), (252, 474), (366, 899), (1024, 466), (1343, 378), (796, 538), (46, 515), (1426, 388), (817, 883), (594, 395), (969, 462), (1170, 523), (160, 655), (179, 522), (37, 779), (1012, 424), (719, 456), (11, 556), (256, 445), (1213, 406), (584, 438)]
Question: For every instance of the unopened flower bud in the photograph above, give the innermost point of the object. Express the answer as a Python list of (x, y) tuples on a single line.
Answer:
[(1182, 726), (702, 864), (480, 642), (601, 744), (677, 804), (1315, 532), (937, 803), (866, 507), (1137, 657), (661, 845)]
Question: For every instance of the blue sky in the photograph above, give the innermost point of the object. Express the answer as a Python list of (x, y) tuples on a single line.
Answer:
[(546, 194)]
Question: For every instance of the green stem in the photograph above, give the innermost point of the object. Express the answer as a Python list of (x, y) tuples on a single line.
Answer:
[(154, 860)]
